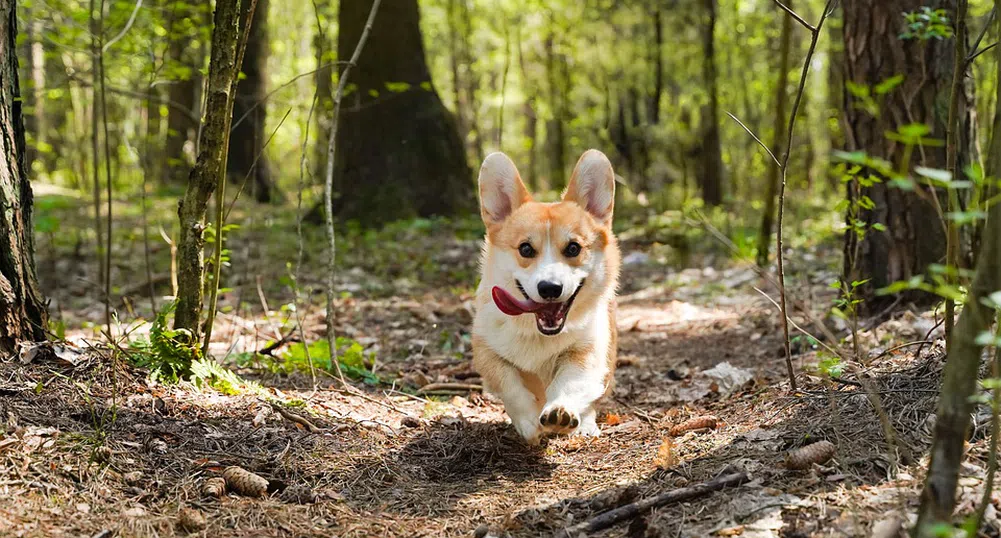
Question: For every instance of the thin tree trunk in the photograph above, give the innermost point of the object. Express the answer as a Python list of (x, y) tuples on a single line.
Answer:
[(530, 114), (22, 312), (472, 83), (324, 85), (246, 151), (778, 137), (712, 154), (210, 167), (658, 66), (555, 136), (952, 420), (455, 55)]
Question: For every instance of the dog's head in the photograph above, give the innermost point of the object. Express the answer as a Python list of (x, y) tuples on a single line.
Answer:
[(543, 258)]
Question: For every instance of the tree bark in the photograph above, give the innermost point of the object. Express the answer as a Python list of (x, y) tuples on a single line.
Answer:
[(246, 149), (209, 168), (529, 112), (874, 52), (712, 155), (22, 312), (471, 86), (555, 128), (778, 138), (399, 154), (324, 87), (657, 60)]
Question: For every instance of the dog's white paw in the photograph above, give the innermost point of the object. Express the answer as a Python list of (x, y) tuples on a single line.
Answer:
[(559, 419), (528, 428), (588, 428)]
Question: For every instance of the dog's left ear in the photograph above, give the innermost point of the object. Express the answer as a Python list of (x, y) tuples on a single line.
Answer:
[(592, 186)]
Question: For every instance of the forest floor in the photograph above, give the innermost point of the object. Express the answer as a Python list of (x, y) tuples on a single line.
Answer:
[(87, 449)]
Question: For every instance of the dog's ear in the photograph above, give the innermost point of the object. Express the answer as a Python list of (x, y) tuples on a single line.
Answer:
[(501, 189), (592, 186)]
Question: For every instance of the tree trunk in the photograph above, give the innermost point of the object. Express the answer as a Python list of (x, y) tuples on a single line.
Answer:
[(530, 114), (324, 87), (471, 83), (399, 154), (209, 168), (874, 52), (658, 66), (778, 138), (555, 134), (712, 155), (22, 313), (247, 160)]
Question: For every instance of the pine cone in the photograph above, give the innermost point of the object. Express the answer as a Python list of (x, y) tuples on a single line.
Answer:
[(244, 482), (191, 520), (214, 487), (803, 458), (698, 423)]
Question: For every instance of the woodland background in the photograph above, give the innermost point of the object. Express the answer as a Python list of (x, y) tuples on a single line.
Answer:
[(206, 230)]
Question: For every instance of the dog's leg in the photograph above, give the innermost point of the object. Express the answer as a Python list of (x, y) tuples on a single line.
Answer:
[(505, 380), (570, 397)]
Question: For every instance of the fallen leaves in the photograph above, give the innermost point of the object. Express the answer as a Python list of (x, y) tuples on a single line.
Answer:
[(665, 458)]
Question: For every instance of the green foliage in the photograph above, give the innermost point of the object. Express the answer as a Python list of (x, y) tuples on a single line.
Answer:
[(209, 373), (831, 366), (927, 23), (353, 360), (168, 353)]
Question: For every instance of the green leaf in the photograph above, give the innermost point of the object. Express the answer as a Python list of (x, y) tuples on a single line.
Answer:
[(888, 85), (858, 90), (966, 217), (934, 174)]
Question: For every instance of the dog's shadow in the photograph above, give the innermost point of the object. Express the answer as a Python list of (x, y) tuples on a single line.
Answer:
[(445, 461)]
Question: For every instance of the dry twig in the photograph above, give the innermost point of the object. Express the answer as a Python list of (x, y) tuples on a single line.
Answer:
[(612, 517)]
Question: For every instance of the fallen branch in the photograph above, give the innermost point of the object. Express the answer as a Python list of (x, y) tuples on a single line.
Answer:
[(463, 387), (613, 517), (295, 418)]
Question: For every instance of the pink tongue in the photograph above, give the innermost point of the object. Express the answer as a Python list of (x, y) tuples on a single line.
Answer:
[(513, 306)]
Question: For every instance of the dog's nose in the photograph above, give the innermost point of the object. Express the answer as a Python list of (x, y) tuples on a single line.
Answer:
[(550, 290)]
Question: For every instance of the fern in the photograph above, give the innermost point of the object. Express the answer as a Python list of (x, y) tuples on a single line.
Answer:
[(169, 353)]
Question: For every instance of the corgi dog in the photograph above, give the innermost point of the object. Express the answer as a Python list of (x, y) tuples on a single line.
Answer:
[(544, 336)]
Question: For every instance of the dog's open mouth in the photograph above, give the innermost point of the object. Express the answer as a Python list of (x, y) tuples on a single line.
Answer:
[(549, 317)]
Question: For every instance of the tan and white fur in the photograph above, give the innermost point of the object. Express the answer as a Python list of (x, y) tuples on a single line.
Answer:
[(549, 383)]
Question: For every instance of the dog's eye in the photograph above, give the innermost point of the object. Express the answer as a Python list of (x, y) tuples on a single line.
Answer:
[(572, 250), (526, 250)]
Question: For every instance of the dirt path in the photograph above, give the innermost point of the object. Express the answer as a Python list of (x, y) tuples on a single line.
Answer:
[(85, 451)]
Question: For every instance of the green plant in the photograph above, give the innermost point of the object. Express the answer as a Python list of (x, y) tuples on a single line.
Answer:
[(927, 23), (350, 354), (168, 353), (209, 373)]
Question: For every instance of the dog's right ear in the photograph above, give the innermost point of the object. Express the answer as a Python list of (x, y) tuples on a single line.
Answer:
[(501, 189)]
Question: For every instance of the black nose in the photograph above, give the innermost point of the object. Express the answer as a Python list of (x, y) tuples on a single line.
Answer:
[(550, 290)]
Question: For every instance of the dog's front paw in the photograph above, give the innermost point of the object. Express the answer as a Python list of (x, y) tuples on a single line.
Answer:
[(529, 430), (559, 419)]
